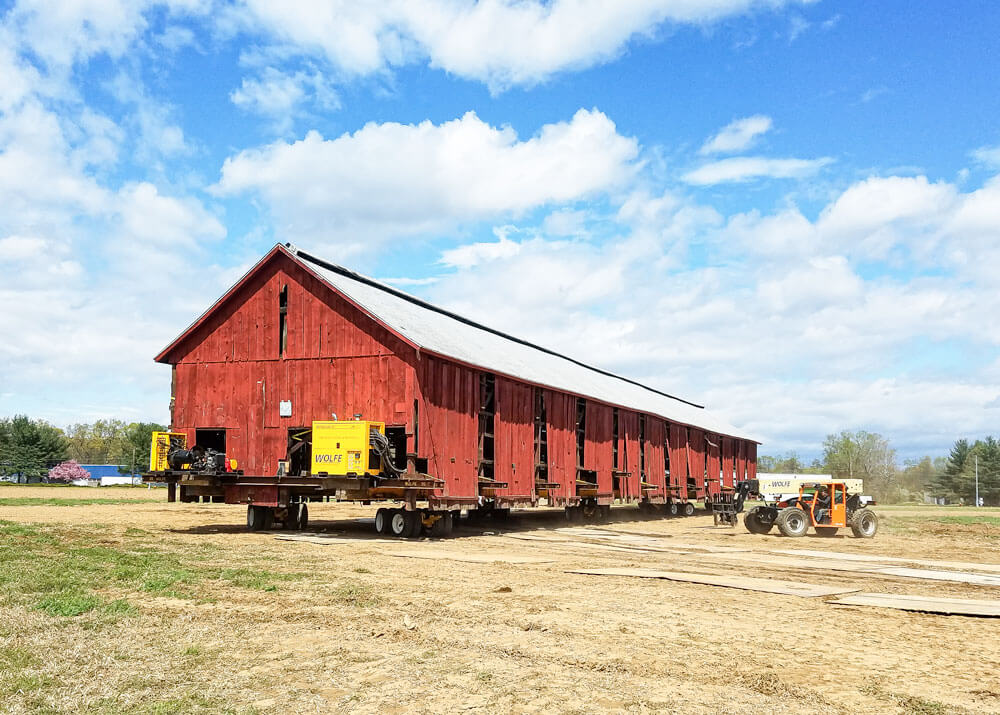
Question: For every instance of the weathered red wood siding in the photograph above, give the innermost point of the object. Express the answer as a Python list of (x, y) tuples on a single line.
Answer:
[(229, 374), (514, 462), (597, 448), (655, 468), (728, 460), (679, 456), (448, 423), (561, 411), (713, 462), (628, 428), (751, 460), (696, 458), (741, 460)]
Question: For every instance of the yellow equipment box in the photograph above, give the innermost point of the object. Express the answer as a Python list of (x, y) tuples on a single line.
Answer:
[(343, 448), (160, 446)]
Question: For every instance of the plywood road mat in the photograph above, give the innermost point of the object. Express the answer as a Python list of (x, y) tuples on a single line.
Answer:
[(746, 583), (960, 565), (927, 604), (875, 568), (471, 558)]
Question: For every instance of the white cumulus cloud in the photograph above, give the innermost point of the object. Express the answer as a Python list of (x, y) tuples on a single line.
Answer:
[(500, 42), (747, 168), (403, 179), (737, 135)]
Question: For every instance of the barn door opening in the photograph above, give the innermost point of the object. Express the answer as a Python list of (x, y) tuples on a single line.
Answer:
[(299, 454), (211, 439), (586, 478), (397, 445), (541, 443), (487, 415)]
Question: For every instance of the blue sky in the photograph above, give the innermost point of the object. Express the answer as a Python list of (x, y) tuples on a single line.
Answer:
[(788, 211)]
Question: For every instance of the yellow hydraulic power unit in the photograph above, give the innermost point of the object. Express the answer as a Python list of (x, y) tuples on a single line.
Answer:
[(161, 444), (344, 448)]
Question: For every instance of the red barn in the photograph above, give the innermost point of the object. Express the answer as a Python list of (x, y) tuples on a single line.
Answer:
[(298, 339)]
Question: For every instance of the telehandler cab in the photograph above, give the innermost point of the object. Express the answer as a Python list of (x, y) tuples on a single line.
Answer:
[(826, 506)]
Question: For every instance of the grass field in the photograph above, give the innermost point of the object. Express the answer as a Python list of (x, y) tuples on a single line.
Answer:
[(148, 607)]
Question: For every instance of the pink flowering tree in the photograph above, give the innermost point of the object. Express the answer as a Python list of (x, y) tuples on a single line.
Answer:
[(67, 472)]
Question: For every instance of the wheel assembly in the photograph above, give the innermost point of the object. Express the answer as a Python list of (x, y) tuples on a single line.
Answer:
[(792, 521), (756, 524), (255, 519), (672, 508), (303, 516), (398, 522), (688, 509), (864, 523), (382, 518), (414, 524)]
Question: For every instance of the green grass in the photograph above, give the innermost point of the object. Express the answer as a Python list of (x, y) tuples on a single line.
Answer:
[(61, 572), (55, 501)]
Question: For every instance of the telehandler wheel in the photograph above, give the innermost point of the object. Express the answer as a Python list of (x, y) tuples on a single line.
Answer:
[(382, 518), (864, 523), (792, 521), (688, 509), (397, 522), (756, 525), (303, 516), (826, 530)]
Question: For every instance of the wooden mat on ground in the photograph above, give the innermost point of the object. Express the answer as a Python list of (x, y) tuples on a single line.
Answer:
[(929, 604), (746, 583), (961, 565), (874, 568), (470, 558)]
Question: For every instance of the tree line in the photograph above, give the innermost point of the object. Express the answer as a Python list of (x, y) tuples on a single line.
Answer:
[(870, 456), (30, 448)]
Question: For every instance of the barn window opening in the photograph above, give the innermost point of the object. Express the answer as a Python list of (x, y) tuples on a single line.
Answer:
[(282, 320), (614, 438), (581, 429), (487, 415), (541, 438), (666, 451)]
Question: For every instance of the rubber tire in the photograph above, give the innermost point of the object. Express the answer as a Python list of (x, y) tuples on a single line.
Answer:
[(864, 523), (688, 509), (255, 518), (574, 514), (268, 517), (441, 528), (383, 521), (754, 524), (303, 516), (291, 522), (792, 522), (414, 524), (673, 509), (398, 522), (826, 531)]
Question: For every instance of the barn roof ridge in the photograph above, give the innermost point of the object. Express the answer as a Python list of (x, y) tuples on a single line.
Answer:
[(353, 275)]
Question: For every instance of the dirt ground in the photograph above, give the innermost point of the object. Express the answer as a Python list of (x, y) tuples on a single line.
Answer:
[(345, 625)]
